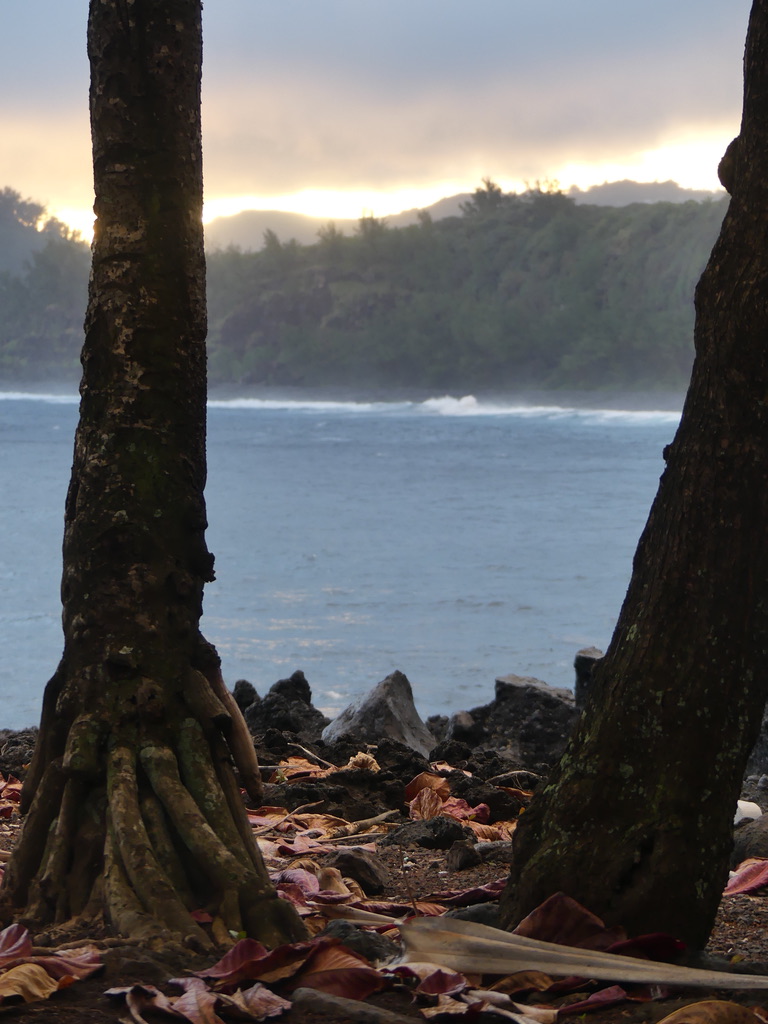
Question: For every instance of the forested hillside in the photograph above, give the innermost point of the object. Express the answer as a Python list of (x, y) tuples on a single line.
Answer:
[(519, 291)]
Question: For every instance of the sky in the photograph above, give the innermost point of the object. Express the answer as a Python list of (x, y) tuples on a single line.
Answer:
[(338, 108)]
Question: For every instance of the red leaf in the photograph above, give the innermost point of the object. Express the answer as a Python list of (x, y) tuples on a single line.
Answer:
[(298, 876), (427, 780), (598, 1001), (457, 807), (259, 1001), (655, 946), (441, 983), (14, 943), (561, 919), (249, 960), (243, 952), (466, 897), (198, 1003), (750, 876), (337, 970)]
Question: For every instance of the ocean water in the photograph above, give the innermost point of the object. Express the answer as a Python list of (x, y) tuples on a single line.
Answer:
[(452, 539)]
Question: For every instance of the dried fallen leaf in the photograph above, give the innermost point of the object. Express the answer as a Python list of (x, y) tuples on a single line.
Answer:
[(362, 761), (28, 982), (466, 897), (198, 1003), (711, 1011), (750, 876), (14, 943), (330, 880), (465, 946), (561, 919), (457, 807), (142, 997), (337, 970), (426, 780), (523, 981), (258, 1001), (425, 805), (612, 995)]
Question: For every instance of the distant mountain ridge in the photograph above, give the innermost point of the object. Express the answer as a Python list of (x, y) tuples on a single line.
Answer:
[(246, 230)]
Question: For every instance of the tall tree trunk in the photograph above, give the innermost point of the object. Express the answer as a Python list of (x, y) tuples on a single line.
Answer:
[(636, 821), (135, 811)]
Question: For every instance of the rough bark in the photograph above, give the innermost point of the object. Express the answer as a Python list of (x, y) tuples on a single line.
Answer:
[(134, 811), (636, 820)]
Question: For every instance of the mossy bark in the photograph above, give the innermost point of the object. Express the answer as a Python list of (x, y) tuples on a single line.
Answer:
[(636, 821), (133, 808)]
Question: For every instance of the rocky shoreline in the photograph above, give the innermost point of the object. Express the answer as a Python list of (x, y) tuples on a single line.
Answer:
[(491, 754)]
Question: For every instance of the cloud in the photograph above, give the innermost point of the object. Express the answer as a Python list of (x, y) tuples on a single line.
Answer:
[(509, 124), (384, 94)]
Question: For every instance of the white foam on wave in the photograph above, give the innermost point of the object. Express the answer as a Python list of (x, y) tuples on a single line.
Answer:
[(444, 405), (29, 396), (468, 405), (297, 405)]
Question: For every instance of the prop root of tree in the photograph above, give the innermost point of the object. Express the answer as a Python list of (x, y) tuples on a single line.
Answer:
[(141, 819)]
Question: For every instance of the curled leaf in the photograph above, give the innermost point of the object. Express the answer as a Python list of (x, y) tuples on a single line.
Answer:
[(425, 805), (750, 876), (28, 982), (712, 1011), (426, 780)]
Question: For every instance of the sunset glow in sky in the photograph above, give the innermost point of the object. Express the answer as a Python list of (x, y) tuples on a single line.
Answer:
[(340, 107)]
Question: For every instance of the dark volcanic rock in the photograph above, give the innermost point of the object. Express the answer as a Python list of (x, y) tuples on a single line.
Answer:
[(584, 664), (463, 728), (438, 833), (16, 749), (287, 707), (504, 806), (386, 711), (750, 839), (295, 688), (758, 759), (245, 694), (370, 945), (529, 721), (368, 870)]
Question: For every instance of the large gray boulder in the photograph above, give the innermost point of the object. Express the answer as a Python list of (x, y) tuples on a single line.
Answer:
[(387, 711)]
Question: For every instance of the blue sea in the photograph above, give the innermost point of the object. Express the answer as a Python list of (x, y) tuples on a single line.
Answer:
[(452, 538)]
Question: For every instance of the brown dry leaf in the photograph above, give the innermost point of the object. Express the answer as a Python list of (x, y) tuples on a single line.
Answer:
[(523, 981), (335, 969), (28, 982), (267, 816), (443, 766), (330, 880), (258, 1002), (426, 780), (711, 1011), (490, 833), (298, 767), (366, 762), (322, 822), (354, 887), (425, 805), (466, 946)]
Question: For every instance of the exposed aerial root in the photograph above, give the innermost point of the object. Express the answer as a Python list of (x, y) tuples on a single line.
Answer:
[(238, 739), (140, 823), (129, 836)]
